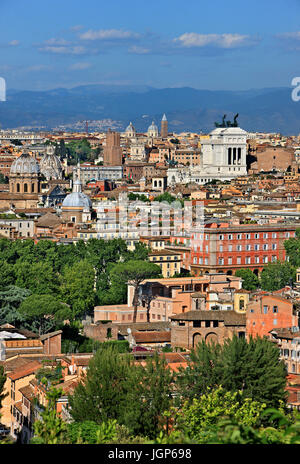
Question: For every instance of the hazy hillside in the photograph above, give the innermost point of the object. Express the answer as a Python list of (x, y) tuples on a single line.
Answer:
[(186, 108)]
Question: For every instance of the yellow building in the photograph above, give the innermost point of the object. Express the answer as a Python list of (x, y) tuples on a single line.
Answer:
[(169, 261), (240, 300)]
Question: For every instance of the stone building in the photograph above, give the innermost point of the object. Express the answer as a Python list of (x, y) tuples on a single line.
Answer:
[(24, 184), (189, 329)]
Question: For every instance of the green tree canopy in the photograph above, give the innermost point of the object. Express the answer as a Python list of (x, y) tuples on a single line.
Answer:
[(77, 287), (250, 280), (277, 275), (254, 368), (44, 312), (102, 393)]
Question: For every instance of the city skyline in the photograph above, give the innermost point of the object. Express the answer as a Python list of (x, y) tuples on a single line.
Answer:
[(45, 46)]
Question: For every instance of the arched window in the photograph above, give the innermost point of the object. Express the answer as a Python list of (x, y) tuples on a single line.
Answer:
[(25, 188), (242, 304), (18, 188), (196, 339), (32, 188)]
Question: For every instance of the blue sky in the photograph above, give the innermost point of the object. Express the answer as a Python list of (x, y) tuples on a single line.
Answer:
[(161, 43)]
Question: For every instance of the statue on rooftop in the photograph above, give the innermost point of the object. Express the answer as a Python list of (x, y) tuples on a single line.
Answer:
[(225, 123)]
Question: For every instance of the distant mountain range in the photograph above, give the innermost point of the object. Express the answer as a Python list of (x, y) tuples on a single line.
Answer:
[(187, 109)]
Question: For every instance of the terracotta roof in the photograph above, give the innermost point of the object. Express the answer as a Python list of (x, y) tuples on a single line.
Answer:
[(27, 392), (152, 337), (49, 335), (173, 357), (31, 368), (18, 406), (143, 326)]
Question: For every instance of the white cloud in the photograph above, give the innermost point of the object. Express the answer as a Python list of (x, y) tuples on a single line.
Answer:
[(192, 39), (38, 67), (64, 50), (108, 34), (55, 41), (14, 43), (80, 66), (289, 35), (138, 50)]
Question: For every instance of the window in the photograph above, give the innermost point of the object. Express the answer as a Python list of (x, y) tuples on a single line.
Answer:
[(229, 247), (215, 323), (265, 246), (265, 309), (239, 248), (256, 235), (239, 236), (221, 237), (248, 247), (274, 235), (256, 247), (207, 323), (274, 321), (248, 260), (230, 260), (275, 309), (265, 235), (274, 246), (229, 236), (238, 260), (248, 236)]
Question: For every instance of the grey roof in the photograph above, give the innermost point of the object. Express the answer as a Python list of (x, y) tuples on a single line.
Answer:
[(77, 200), (229, 317), (25, 164)]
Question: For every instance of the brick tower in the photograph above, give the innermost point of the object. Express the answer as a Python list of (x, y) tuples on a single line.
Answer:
[(164, 127), (112, 154)]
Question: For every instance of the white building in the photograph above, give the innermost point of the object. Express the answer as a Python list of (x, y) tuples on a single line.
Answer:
[(223, 157)]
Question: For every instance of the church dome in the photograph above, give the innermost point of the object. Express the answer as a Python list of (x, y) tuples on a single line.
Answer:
[(50, 165), (153, 127), (25, 165), (130, 128), (153, 130), (77, 199)]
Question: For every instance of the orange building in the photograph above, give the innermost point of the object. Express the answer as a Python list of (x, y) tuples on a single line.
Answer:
[(267, 311)]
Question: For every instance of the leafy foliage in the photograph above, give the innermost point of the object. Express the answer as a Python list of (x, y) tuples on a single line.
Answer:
[(254, 368), (277, 275), (250, 280)]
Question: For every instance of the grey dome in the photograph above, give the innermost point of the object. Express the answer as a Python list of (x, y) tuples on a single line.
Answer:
[(50, 166), (25, 164), (153, 127), (130, 128), (77, 200)]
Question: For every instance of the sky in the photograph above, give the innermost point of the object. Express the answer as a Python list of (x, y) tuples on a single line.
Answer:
[(214, 45)]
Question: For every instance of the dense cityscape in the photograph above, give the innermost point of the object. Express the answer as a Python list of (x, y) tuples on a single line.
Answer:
[(154, 247), (149, 227)]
